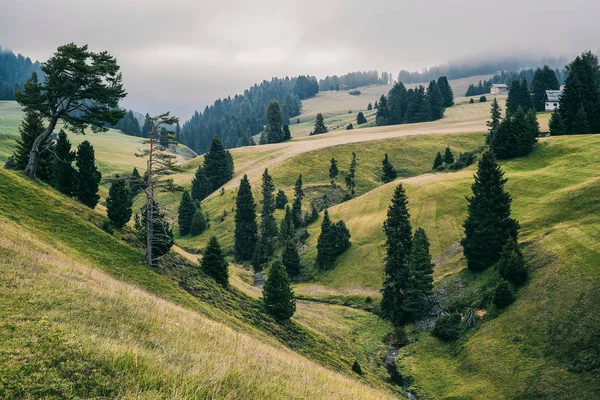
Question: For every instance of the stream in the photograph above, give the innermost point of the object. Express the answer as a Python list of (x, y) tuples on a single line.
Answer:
[(395, 377)]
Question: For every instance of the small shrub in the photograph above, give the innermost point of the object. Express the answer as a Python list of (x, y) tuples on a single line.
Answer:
[(10, 163), (368, 300), (503, 295), (471, 101), (354, 93), (107, 227), (349, 127), (347, 196), (356, 368), (482, 99), (447, 328)]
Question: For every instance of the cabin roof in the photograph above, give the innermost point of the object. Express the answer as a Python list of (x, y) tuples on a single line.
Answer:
[(553, 95)]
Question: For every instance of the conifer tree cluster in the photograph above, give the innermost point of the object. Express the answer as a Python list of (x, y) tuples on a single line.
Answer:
[(162, 234), (447, 158), (543, 79), (515, 136), (519, 96), (30, 128), (489, 225), (275, 131), (333, 241), (319, 126), (64, 175), (129, 125)]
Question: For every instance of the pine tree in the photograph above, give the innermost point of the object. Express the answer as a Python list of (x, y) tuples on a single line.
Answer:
[(543, 79), (511, 264), (448, 156), (526, 99), (118, 203), (439, 160), (446, 91), (319, 125), (496, 117), (246, 229), (214, 264), (280, 200), (286, 229), (382, 111), (278, 294), (290, 258), (268, 227), (341, 238), (418, 109), (398, 234), (333, 171), (135, 182), (162, 234), (370, 107), (488, 225), (218, 164), (201, 186), (63, 174), (557, 124), (350, 182), (388, 173), (514, 97), (88, 176), (147, 127), (31, 127), (435, 100), (297, 205), (186, 212), (580, 123), (397, 103), (325, 245), (420, 275), (287, 135), (360, 118), (274, 123), (503, 295), (199, 223)]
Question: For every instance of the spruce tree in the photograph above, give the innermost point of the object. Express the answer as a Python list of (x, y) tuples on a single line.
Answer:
[(319, 125), (398, 243), (333, 171), (88, 176), (268, 227), (201, 186), (514, 97), (557, 124), (63, 174), (580, 123), (382, 111), (274, 123), (147, 127), (246, 229), (488, 225), (448, 156), (360, 119), (418, 109), (118, 203), (162, 234), (286, 229), (511, 264), (287, 135), (297, 205), (543, 79), (503, 295), (435, 100), (135, 182), (446, 90), (370, 107), (439, 160), (350, 182), (290, 258), (325, 244), (31, 127), (199, 223), (495, 118), (388, 172), (341, 238), (420, 275), (280, 200), (397, 103), (278, 295), (214, 264), (185, 213), (218, 164)]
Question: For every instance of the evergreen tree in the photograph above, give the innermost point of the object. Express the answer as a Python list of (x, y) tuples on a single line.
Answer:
[(297, 205), (350, 182), (118, 203), (488, 225), (496, 117), (543, 79), (435, 100), (341, 238), (199, 223), (376, 106), (511, 265), (186, 212), (31, 127), (214, 263), (268, 227), (382, 111), (360, 118), (63, 174), (287, 135), (526, 99), (514, 97), (439, 160), (177, 132), (162, 235), (398, 243), (418, 109), (370, 107), (135, 182), (325, 244), (482, 99), (274, 123), (446, 91), (333, 171), (349, 127), (246, 229), (286, 229), (147, 127), (580, 123), (201, 185), (557, 124), (218, 164), (516, 135), (503, 295), (278, 294), (319, 125), (420, 275), (388, 173), (280, 200), (448, 156), (397, 103), (290, 258), (88, 176)]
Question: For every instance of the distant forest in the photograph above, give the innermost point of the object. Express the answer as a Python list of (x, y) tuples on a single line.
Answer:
[(353, 80), (483, 87), (14, 70), (456, 70), (236, 119)]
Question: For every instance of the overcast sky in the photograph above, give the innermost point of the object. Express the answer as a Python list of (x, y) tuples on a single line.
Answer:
[(180, 55)]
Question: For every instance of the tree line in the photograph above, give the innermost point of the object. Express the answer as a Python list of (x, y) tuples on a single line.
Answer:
[(353, 80), (15, 69)]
